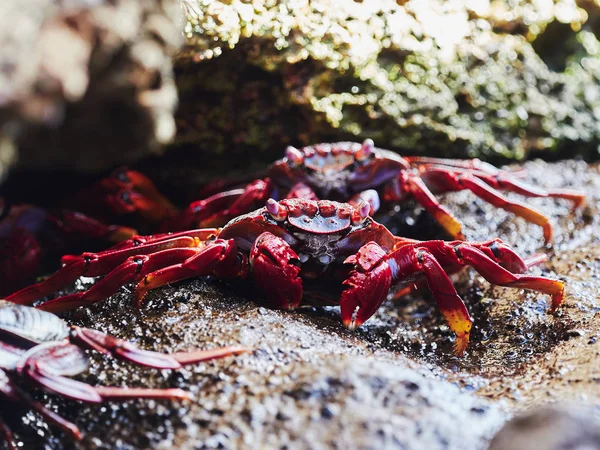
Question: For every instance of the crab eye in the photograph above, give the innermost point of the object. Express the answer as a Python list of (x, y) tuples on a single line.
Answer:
[(361, 212), (294, 156), (365, 151), (277, 211)]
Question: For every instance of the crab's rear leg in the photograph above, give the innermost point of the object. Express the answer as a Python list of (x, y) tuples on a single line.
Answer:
[(127, 351), (447, 180), (421, 193), (75, 222), (219, 208), (14, 394), (48, 367), (496, 271), (509, 183), (96, 264)]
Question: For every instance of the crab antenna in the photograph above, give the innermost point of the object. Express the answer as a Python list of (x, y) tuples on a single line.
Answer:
[(361, 212), (366, 149), (294, 155), (277, 210)]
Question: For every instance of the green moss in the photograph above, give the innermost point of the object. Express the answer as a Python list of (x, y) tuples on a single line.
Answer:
[(427, 77)]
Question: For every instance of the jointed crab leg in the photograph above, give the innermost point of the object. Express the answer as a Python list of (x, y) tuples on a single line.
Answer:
[(375, 271), (96, 264), (218, 258), (425, 197), (221, 207), (132, 269), (10, 392), (467, 164), (452, 182)]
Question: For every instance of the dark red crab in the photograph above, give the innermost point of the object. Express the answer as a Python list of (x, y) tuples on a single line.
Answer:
[(351, 172), (296, 243), (30, 236), (40, 349)]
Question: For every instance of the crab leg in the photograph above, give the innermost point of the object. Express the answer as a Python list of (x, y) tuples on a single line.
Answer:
[(513, 185), (74, 222), (446, 180), (49, 365), (7, 435), (470, 164), (221, 207), (133, 269), (96, 264), (425, 197), (217, 258), (16, 395), (127, 351), (374, 272)]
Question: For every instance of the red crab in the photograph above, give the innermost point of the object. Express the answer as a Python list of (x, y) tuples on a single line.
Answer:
[(30, 236), (38, 348), (351, 172), (295, 244)]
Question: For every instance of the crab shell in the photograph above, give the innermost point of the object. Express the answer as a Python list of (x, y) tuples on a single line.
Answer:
[(339, 169), (317, 228)]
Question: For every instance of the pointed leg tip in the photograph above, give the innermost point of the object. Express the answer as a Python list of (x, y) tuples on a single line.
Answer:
[(548, 234), (557, 300), (239, 350), (180, 394), (461, 344)]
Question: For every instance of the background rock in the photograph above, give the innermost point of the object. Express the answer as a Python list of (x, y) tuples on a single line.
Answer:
[(85, 85), (461, 78), (550, 428)]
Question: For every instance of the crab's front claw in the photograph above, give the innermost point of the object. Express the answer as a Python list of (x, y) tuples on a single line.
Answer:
[(368, 285), (275, 268)]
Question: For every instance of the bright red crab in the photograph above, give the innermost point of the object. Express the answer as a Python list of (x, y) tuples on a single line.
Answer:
[(350, 172), (295, 247), (40, 349)]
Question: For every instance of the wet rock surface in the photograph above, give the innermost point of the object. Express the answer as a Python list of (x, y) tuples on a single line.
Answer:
[(394, 383)]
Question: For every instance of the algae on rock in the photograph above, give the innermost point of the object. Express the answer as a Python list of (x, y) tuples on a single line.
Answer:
[(459, 78)]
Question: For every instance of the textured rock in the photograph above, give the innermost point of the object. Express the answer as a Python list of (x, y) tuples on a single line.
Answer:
[(550, 428), (459, 78), (393, 383), (86, 85)]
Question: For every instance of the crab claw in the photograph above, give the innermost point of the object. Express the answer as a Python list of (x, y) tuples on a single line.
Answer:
[(368, 285), (275, 271)]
